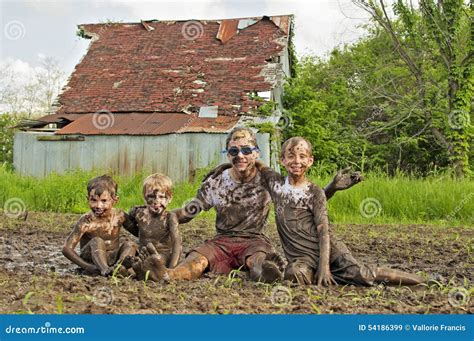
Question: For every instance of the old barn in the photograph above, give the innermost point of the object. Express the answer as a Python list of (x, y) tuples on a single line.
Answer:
[(161, 96)]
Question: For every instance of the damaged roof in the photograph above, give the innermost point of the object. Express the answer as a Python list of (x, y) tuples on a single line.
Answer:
[(162, 68)]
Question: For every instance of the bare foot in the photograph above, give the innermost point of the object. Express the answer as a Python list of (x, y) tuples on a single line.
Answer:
[(157, 270), (151, 268)]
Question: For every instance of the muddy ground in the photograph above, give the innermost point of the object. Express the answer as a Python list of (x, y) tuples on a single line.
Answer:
[(36, 278)]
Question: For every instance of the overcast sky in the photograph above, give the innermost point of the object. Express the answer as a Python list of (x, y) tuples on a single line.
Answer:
[(32, 29)]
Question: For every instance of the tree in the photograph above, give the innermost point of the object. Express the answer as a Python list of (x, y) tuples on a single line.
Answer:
[(437, 34), (30, 92)]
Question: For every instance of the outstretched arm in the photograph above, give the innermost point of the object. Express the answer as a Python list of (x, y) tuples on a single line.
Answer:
[(269, 176), (344, 179)]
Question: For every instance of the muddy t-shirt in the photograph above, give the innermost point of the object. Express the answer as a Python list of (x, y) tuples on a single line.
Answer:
[(242, 208), (298, 212)]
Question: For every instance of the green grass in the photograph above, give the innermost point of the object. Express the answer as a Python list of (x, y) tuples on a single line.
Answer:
[(403, 199)]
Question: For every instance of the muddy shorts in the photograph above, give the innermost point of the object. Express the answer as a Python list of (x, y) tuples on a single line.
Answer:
[(226, 253)]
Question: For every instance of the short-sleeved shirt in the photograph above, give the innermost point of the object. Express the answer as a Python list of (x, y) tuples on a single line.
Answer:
[(298, 213), (242, 208)]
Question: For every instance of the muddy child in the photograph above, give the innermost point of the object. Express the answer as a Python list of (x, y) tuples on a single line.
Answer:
[(315, 257), (152, 223), (98, 232)]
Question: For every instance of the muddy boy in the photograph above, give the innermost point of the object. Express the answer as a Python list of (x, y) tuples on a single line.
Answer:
[(313, 255), (97, 232), (152, 223)]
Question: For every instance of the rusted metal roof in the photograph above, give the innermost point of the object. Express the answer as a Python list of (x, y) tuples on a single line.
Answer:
[(106, 123), (55, 118)]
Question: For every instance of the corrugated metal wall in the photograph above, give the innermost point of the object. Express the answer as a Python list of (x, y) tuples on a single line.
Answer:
[(177, 155)]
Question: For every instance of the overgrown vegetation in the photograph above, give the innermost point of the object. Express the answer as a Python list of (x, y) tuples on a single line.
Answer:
[(6, 138)]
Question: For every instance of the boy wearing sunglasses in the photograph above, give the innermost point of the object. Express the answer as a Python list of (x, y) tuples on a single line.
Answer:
[(242, 205)]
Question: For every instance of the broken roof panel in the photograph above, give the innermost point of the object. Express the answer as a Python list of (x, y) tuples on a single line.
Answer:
[(227, 29)]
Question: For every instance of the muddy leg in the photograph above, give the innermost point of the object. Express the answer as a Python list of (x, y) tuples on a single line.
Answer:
[(127, 251), (191, 268), (261, 269), (397, 277), (99, 256)]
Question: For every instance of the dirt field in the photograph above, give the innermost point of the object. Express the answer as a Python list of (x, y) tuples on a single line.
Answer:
[(36, 278)]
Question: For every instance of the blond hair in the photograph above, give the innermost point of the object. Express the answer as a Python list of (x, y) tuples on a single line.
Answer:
[(241, 132), (158, 181)]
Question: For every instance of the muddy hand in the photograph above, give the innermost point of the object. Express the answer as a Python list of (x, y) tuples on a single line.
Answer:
[(324, 278), (346, 178)]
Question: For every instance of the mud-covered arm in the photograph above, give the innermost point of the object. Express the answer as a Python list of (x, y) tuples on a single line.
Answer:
[(189, 211), (130, 223), (344, 179), (176, 242), (202, 201), (69, 248), (323, 275), (217, 171), (268, 175)]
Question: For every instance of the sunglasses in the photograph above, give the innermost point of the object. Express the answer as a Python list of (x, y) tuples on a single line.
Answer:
[(234, 151)]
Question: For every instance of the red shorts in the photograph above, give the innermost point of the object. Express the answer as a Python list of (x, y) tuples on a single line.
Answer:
[(226, 253)]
